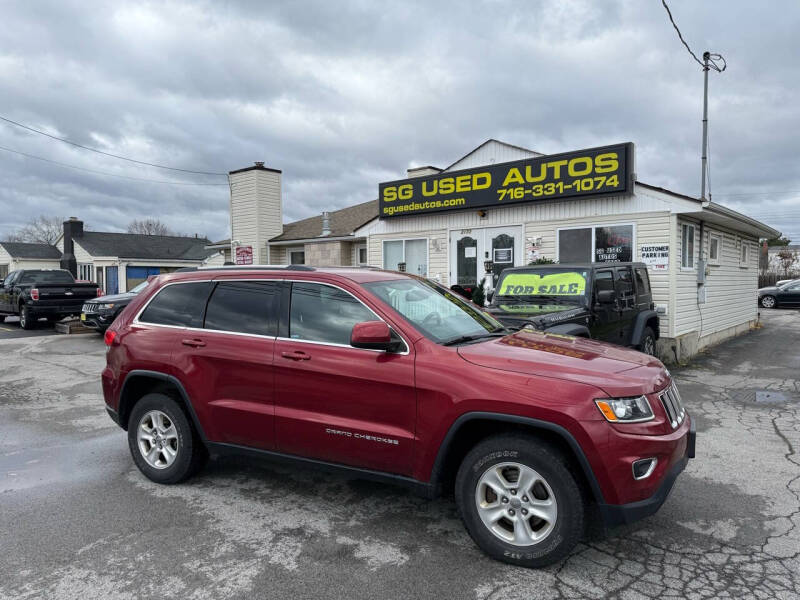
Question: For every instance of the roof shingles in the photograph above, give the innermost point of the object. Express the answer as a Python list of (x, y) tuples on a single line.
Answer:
[(342, 222), (26, 250), (153, 247)]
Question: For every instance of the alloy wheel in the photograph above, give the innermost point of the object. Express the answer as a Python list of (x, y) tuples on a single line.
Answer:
[(157, 439), (516, 504), (768, 302), (648, 346)]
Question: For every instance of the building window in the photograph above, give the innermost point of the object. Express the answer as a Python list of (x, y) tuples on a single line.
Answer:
[(362, 255), (412, 253), (297, 256), (714, 248), (3, 271), (744, 256), (687, 246), (601, 243), (86, 271)]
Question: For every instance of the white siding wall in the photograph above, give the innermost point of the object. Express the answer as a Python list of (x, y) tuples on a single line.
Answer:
[(5, 260), (730, 287), (256, 212), (491, 153)]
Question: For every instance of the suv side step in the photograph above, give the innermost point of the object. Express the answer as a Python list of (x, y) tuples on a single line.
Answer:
[(420, 488)]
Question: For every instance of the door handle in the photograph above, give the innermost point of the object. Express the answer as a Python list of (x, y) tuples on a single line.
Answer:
[(194, 343), (296, 355)]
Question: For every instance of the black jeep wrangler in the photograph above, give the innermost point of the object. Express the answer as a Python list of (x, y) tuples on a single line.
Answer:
[(611, 302)]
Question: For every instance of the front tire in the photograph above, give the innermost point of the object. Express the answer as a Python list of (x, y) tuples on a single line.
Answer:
[(163, 443), (648, 343), (519, 501), (768, 301)]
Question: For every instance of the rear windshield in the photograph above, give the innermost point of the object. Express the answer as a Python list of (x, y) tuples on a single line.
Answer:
[(46, 277), (556, 286)]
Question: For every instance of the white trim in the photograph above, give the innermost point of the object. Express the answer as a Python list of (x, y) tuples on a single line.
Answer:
[(593, 226), (744, 245), (720, 238), (290, 249), (404, 240), (693, 266)]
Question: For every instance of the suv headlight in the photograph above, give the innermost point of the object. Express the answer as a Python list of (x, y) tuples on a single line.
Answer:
[(625, 410), (107, 306)]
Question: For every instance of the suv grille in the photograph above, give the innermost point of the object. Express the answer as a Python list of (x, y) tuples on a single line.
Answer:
[(673, 406), (89, 307)]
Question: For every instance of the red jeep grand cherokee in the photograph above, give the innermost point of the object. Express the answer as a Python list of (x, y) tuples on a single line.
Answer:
[(394, 377)]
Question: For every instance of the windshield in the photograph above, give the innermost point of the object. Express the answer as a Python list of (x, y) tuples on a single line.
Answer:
[(436, 312), (139, 288), (46, 277), (546, 289)]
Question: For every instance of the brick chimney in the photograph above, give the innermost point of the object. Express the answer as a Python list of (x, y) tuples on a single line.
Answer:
[(73, 228)]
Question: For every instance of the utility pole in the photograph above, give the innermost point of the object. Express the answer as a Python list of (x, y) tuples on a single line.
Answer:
[(704, 151)]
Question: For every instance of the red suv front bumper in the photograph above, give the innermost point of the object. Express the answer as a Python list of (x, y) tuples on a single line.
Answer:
[(673, 452)]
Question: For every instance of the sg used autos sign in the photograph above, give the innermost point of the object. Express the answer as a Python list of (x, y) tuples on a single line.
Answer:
[(573, 174)]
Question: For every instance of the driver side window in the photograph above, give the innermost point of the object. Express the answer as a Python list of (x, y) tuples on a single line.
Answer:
[(322, 313)]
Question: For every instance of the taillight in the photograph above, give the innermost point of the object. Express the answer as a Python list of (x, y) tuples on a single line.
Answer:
[(34, 294), (99, 292), (109, 337)]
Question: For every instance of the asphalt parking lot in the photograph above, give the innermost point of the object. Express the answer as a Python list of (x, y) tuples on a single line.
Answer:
[(10, 329), (79, 521)]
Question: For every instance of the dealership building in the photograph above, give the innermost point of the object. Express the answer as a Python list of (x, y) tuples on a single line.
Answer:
[(502, 205)]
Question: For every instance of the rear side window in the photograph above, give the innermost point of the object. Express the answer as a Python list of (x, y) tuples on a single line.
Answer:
[(321, 313), (46, 277), (244, 307), (604, 280), (642, 281), (180, 304)]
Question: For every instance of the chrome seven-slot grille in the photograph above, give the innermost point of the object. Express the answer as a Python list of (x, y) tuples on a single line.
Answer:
[(89, 307), (671, 400)]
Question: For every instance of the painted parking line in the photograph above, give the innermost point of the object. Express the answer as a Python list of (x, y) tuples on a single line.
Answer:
[(6, 328)]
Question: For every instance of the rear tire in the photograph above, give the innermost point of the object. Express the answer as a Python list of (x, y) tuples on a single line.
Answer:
[(163, 443), (531, 524), (26, 319), (648, 343), (768, 302)]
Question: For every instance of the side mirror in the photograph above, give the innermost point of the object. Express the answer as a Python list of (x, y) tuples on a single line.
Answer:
[(606, 296), (372, 335)]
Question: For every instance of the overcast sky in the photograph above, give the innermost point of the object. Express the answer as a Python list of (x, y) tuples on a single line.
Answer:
[(343, 95)]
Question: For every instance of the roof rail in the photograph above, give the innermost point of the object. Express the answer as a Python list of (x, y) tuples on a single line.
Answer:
[(248, 268)]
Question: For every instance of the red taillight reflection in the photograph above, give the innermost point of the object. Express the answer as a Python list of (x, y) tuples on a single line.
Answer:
[(99, 292), (34, 294), (109, 337)]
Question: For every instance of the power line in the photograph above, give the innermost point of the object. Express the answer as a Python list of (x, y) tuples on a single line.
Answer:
[(60, 164), (694, 56), (139, 162)]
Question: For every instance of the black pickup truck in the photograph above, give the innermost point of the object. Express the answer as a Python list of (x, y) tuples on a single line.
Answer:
[(35, 293), (611, 302)]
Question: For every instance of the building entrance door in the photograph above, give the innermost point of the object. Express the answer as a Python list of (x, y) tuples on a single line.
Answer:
[(471, 248)]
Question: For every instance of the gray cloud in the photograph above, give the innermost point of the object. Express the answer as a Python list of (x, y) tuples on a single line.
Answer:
[(343, 95)]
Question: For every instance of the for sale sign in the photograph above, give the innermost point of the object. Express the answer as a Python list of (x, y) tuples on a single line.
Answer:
[(244, 255)]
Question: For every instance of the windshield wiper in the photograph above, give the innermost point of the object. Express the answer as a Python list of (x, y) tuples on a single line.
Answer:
[(461, 339)]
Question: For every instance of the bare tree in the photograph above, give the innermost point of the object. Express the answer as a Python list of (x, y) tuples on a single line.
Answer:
[(42, 230), (787, 259), (149, 227)]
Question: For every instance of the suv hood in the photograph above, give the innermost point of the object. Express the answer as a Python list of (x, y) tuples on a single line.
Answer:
[(615, 370), (116, 298), (540, 316)]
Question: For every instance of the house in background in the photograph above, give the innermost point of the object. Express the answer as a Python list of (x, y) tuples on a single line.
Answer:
[(17, 255), (120, 261)]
